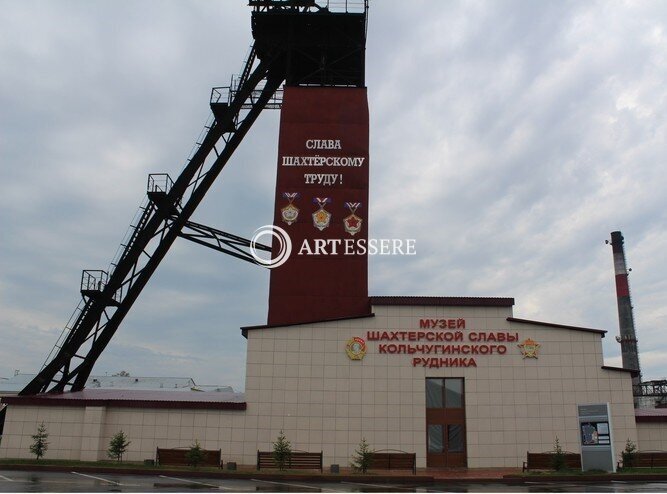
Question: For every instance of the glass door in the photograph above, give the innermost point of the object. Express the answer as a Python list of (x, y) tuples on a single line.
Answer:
[(445, 423)]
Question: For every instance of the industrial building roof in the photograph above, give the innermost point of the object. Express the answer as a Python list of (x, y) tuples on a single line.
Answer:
[(16, 383), (651, 414)]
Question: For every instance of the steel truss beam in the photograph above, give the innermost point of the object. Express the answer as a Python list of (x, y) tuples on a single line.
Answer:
[(221, 241), (651, 388)]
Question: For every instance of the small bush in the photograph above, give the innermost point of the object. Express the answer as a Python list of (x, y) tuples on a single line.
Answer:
[(629, 454), (118, 446), (39, 443), (363, 457), (558, 458), (195, 455), (282, 451)]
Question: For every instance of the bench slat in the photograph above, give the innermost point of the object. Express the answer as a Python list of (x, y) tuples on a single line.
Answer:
[(297, 460), (394, 461), (544, 461), (649, 459)]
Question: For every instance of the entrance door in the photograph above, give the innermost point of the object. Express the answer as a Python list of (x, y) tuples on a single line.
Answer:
[(445, 423)]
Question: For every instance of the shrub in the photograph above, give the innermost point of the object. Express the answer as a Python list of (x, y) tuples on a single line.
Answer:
[(282, 451), (629, 454), (363, 457), (39, 443), (195, 455), (118, 446), (558, 458)]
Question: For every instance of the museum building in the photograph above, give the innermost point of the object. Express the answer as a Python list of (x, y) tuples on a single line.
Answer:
[(458, 381)]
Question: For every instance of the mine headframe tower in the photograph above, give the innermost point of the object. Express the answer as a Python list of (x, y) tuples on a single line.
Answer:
[(299, 42)]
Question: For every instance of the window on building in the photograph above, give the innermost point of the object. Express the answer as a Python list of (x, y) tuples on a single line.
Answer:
[(455, 440), (435, 443), (434, 394), (444, 392)]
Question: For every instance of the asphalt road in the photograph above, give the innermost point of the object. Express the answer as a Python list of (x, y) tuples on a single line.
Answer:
[(22, 481)]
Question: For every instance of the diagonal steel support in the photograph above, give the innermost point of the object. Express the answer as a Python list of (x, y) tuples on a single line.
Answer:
[(221, 241)]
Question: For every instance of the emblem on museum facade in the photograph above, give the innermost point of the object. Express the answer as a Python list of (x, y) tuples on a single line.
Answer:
[(529, 348), (355, 348)]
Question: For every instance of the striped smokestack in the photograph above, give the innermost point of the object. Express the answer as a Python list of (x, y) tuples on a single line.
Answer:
[(628, 337)]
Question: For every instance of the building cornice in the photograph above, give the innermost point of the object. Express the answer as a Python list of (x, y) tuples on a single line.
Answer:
[(601, 332), (444, 301)]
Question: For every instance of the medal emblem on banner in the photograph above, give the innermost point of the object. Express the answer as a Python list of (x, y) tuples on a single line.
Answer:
[(353, 223), (321, 217), (290, 212)]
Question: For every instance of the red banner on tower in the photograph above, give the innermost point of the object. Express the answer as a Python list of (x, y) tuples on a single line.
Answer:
[(322, 203)]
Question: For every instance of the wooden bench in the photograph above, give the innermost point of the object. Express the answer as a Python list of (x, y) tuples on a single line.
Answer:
[(390, 459), (176, 456), (545, 461), (647, 459), (300, 460)]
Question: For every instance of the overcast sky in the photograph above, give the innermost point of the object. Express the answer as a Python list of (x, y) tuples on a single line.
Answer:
[(509, 138)]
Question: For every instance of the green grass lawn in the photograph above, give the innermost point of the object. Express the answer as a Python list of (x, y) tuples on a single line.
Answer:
[(643, 470)]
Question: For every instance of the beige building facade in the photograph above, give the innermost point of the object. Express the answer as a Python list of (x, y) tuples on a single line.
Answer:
[(458, 381)]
